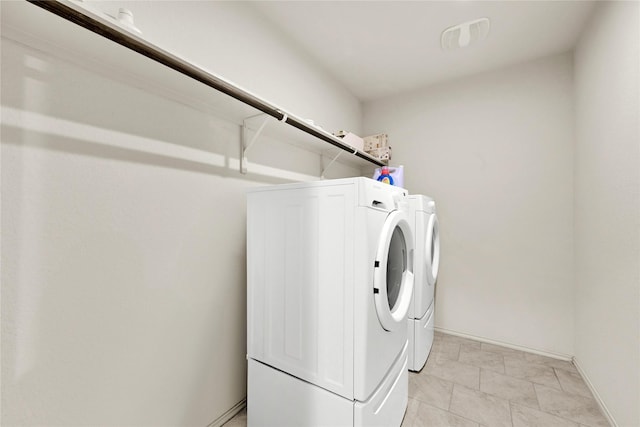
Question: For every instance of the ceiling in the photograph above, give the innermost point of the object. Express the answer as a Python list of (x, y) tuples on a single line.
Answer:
[(380, 48)]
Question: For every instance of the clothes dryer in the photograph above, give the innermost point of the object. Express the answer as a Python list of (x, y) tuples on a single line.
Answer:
[(422, 212), (330, 281)]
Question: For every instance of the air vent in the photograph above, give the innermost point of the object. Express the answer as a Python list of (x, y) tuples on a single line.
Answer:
[(464, 34)]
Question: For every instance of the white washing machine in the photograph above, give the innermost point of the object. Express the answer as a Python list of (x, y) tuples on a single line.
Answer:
[(422, 213), (330, 282)]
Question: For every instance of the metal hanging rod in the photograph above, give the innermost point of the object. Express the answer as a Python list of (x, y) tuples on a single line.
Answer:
[(64, 9)]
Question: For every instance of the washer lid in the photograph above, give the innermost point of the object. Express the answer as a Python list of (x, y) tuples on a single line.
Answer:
[(393, 272)]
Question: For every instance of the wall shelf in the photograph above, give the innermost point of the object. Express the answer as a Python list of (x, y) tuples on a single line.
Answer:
[(97, 42)]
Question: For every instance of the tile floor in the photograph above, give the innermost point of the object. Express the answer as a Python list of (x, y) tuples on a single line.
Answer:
[(469, 383)]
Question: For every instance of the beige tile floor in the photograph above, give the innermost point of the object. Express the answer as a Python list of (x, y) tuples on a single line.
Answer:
[(469, 383)]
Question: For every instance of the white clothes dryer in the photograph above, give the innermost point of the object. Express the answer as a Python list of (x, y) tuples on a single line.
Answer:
[(330, 282), (422, 212)]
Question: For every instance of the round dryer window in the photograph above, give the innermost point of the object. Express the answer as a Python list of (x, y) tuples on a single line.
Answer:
[(433, 250), (396, 266), (393, 272)]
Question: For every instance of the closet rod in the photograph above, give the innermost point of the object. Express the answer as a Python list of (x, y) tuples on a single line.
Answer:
[(167, 59)]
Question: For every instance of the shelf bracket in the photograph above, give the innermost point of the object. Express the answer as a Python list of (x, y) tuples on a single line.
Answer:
[(244, 146), (333, 161)]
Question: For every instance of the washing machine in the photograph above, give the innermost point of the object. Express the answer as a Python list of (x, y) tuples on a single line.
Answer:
[(330, 281), (422, 213)]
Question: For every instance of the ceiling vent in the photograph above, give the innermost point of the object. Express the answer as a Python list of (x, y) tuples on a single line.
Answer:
[(464, 34)]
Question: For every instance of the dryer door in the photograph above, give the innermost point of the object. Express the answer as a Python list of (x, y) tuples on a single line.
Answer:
[(432, 250), (393, 272)]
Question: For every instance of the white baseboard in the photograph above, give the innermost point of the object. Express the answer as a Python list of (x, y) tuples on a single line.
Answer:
[(559, 356), (596, 396), (229, 414)]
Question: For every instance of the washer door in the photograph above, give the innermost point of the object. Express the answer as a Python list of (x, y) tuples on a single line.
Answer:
[(393, 272), (432, 250)]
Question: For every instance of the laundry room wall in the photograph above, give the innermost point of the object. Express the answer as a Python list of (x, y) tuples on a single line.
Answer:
[(607, 208), (495, 151), (123, 223), (235, 41)]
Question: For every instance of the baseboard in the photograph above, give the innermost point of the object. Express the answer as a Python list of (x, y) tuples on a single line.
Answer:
[(603, 407), (559, 356), (229, 414)]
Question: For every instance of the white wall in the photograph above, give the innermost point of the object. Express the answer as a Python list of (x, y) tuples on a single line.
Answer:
[(495, 151), (123, 225), (607, 207), (233, 40)]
